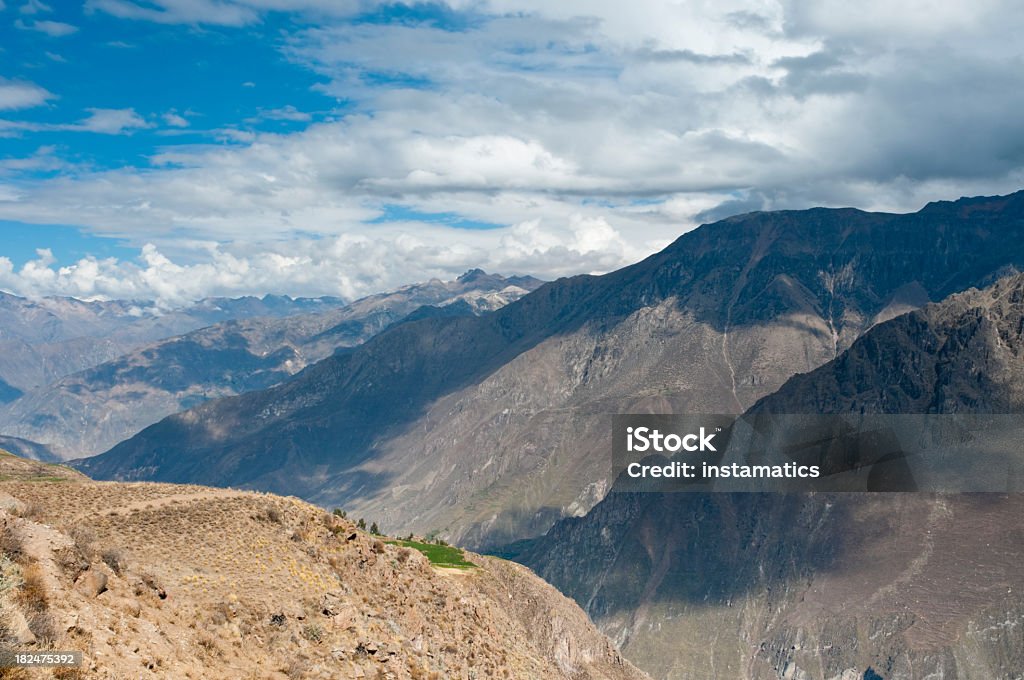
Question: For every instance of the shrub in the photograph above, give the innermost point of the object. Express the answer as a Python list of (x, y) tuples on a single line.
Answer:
[(338, 512), (361, 524), (374, 529), (11, 544), (31, 511), (297, 668), (32, 593), (84, 538), (378, 547), (115, 559), (313, 632)]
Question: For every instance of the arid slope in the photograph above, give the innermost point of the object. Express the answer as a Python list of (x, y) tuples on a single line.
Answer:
[(165, 581)]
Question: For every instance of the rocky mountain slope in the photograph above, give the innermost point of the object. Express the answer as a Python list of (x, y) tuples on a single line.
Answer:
[(164, 581), (90, 411), (46, 339), (825, 586), (491, 429)]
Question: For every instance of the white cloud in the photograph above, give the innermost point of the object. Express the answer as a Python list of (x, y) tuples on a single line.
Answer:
[(216, 12), (35, 7), (348, 265), (100, 121), (110, 122), (288, 112), (54, 29), (591, 132), (175, 120), (17, 94)]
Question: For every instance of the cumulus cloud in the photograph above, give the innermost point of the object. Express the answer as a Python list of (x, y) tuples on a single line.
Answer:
[(348, 265), (592, 132), (17, 94)]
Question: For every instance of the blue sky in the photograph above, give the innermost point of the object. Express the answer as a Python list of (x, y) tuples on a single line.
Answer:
[(187, 85), (172, 149)]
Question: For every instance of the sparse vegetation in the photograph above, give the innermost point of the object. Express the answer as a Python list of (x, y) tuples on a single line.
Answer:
[(115, 559), (439, 555), (84, 538), (10, 575), (11, 544), (313, 632), (32, 594), (227, 562)]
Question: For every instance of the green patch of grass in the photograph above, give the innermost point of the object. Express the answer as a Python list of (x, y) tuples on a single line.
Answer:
[(439, 555), (32, 478)]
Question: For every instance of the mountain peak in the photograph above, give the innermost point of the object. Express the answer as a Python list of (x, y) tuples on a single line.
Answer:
[(472, 275)]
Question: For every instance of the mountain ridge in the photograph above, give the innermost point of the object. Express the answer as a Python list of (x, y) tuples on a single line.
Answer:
[(90, 411), (819, 585), (491, 437)]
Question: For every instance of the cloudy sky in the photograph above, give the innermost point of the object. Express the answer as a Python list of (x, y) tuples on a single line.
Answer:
[(173, 149)]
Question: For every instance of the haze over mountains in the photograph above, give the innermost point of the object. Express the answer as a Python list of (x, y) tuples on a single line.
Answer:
[(46, 339), (813, 586), (271, 339), (490, 429)]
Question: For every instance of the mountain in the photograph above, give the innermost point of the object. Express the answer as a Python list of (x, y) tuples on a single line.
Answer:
[(163, 581), (963, 355), (27, 449), (43, 340), (490, 429), (824, 586), (92, 410)]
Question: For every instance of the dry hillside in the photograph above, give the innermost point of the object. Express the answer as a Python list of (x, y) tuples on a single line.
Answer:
[(160, 580)]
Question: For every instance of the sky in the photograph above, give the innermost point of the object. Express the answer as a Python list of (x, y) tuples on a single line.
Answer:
[(176, 149)]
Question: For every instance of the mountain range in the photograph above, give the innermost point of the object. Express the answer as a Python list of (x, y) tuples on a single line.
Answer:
[(491, 429), (494, 430), (92, 409), (43, 340), (824, 586)]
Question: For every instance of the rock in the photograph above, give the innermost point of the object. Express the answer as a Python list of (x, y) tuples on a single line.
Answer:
[(11, 504), (19, 628), (92, 583)]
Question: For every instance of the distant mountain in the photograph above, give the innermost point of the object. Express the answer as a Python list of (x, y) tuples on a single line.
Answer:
[(46, 339), (90, 411), (813, 586), (490, 429), (26, 449)]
